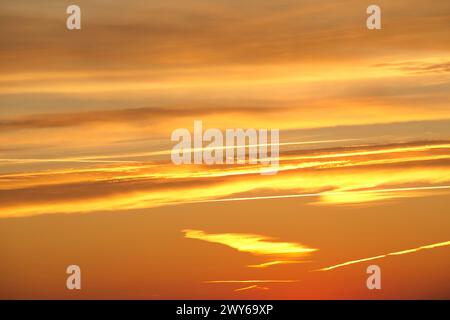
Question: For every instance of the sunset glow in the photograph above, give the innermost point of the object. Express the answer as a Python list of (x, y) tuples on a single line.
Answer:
[(87, 176)]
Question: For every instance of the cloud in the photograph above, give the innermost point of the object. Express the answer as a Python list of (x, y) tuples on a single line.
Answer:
[(339, 175), (343, 197), (252, 243), (149, 115), (419, 67), (195, 33)]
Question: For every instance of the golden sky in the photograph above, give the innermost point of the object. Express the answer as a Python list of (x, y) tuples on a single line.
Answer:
[(85, 171)]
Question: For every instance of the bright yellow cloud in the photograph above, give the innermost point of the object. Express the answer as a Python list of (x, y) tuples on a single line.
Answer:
[(375, 173), (252, 243)]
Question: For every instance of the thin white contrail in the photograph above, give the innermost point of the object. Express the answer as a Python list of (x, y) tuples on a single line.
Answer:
[(325, 193), (397, 253), (250, 281), (251, 287), (100, 159)]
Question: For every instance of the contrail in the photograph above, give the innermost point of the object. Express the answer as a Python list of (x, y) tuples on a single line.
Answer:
[(101, 158), (169, 151), (325, 193), (374, 152), (277, 262), (250, 281), (397, 253), (251, 287)]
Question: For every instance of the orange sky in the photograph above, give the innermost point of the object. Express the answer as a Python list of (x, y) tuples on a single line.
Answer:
[(85, 171)]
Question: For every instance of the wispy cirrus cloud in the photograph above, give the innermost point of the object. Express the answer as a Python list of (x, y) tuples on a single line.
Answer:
[(359, 174), (73, 119), (252, 243), (418, 67), (259, 245), (195, 33)]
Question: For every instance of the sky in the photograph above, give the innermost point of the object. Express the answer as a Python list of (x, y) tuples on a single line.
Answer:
[(86, 177)]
